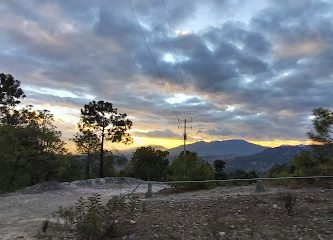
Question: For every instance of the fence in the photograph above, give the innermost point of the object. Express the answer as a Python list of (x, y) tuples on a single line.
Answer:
[(259, 182)]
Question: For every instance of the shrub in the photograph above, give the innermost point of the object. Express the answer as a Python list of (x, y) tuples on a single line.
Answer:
[(191, 168), (90, 219)]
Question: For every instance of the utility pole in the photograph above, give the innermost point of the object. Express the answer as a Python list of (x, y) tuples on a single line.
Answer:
[(185, 127)]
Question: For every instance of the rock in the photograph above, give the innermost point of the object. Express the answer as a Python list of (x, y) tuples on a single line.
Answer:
[(260, 186), (132, 221), (275, 206), (149, 193), (221, 234)]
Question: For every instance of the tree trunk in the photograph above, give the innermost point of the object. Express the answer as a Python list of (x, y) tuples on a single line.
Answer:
[(101, 157), (88, 166)]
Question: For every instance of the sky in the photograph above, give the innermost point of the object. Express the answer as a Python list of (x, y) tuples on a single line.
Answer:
[(251, 70)]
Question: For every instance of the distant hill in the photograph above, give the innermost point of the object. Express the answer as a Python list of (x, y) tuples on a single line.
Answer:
[(128, 153), (226, 148), (263, 161)]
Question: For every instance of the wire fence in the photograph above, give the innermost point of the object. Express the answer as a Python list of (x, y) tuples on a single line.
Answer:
[(239, 179), (298, 181)]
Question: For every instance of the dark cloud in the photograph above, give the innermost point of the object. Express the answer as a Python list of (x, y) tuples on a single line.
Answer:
[(257, 78)]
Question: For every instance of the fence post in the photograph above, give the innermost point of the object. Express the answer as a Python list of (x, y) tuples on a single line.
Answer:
[(260, 186), (149, 193)]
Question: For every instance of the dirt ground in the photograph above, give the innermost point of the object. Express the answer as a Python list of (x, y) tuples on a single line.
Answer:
[(220, 213), (22, 212), (235, 213)]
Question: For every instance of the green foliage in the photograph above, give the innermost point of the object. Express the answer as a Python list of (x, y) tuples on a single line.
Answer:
[(91, 219), (191, 167), (318, 162), (323, 126), (281, 170), (10, 91), (102, 117), (87, 143), (241, 174), (69, 168), (149, 164), (219, 166), (28, 149)]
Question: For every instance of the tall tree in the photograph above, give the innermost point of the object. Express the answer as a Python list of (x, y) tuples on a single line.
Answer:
[(113, 126), (150, 164), (10, 94), (10, 91), (219, 166), (87, 142), (29, 149), (323, 126)]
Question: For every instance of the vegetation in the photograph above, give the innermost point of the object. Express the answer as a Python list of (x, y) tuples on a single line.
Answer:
[(29, 142), (104, 118), (87, 143), (241, 174), (323, 126), (219, 166), (191, 167), (91, 219), (319, 161), (149, 164), (31, 149)]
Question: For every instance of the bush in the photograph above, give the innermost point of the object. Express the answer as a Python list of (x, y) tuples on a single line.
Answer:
[(90, 219), (191, 168)]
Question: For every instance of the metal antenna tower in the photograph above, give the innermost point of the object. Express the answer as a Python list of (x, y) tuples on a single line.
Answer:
[(183, 124)]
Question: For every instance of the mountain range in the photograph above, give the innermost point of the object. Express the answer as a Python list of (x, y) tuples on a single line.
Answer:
[(264, 160), (238, 154), (220, 148)]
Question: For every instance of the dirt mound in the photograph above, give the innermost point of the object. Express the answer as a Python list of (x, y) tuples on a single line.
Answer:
[(88, 183), (45, 186)]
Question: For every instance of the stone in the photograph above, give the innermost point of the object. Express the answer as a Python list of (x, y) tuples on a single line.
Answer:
[(260, 186), (149, 193)]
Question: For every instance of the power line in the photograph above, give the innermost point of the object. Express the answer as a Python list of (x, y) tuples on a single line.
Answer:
[(145, 39), (148, 47), (173, 41), (180, 71), (155, 64)]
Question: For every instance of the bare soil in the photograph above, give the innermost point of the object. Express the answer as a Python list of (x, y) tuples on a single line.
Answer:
[(235, 213), (220, 213)]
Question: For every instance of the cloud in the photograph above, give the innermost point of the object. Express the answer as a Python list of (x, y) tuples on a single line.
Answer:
[(272, 66), (299, 49), (167, 133)]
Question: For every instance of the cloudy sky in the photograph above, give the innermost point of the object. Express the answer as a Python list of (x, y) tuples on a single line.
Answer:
[(250, 70)]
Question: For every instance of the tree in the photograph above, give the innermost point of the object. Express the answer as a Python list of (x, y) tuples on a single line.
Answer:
[(10, 91), (10, 94), (241, 174), (320, 160), (150, 164), (87, 142), (219, 166), (29, 149), (191, 167), (113, 126), (323, 126)]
